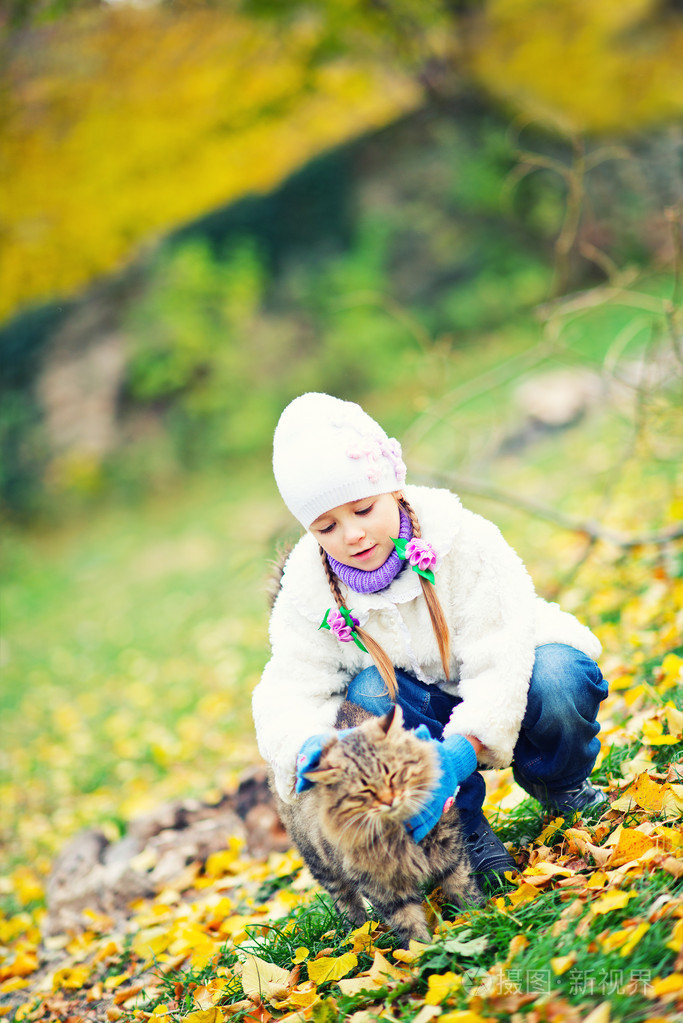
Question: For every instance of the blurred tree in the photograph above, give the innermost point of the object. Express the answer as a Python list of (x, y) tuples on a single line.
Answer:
[(122, 120), (119, 123)]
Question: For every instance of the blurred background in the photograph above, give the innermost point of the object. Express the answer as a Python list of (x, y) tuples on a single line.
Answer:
[(465, 214)]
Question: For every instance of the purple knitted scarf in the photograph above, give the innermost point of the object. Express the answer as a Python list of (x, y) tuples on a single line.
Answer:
[(371, 582)]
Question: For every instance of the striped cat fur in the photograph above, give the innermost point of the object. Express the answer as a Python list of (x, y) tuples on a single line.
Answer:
[(349, 827)]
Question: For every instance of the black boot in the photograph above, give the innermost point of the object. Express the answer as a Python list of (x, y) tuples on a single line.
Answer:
[(489, 858), (565, 802)]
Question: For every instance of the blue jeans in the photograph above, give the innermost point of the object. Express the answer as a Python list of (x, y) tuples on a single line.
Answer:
[(557, 744)]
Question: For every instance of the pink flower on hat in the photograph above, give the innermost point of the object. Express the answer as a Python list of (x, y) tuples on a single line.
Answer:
[(420, 554)]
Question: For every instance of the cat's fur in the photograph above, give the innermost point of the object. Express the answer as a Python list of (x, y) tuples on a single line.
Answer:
[(349, 826)]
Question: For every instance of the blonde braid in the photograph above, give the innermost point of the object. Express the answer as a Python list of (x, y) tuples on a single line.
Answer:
[(379, 657), (439, 623)]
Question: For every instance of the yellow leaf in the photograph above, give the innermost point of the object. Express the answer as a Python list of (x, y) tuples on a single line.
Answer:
[(362, 938), (672, 804), (111, 983), (647, 793), (13, 984), (674, 719), (24, 963), (26, 885), (462, 1016), (600, 1014), (631, 846), (214, 1015), (636, 934), (517, 945), (672, 866), (673, 984), (207, 995), (70, 977), (383, 971), (653, 734), (427, 1013), (675, 942), (356, 985), (549, 830), (560, 964), (265, 981), (611, 900), (624, 681), (614, 940), (224, 862), (672, 839), (300, 955), (442, 986), (409, 955), (542, 873), (332, 967), (670, 672), (525, 893), (303, 996)]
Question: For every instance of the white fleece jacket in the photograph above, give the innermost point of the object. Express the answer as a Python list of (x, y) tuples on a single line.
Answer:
[(494, 616)]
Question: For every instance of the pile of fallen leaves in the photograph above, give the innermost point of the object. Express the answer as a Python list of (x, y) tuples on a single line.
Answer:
[(590, 929)]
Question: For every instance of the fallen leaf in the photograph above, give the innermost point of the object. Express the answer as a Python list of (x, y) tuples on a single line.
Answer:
[(631, 846), (600, 1014), (519, 897), (441, 986), (676, 940), (427, 1013), (332, 967), (262, 980), (663, 987), (611, 900), (653, 734), (214, 1015), (560, 964)]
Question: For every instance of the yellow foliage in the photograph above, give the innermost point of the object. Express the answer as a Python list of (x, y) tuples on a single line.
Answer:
[(328, 968), (442, 986), (121, 122), (612, 66)]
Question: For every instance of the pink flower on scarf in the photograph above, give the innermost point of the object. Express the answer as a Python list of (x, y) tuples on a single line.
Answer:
[(420, 554), (339, 628)]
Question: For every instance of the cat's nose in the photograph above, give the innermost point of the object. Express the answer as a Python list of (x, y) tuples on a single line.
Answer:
[(385, 796)]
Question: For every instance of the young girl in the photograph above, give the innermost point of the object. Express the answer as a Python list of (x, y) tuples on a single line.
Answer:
[(397, 593)]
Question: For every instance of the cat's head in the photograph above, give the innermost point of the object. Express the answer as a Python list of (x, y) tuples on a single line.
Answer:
[(377, 773)]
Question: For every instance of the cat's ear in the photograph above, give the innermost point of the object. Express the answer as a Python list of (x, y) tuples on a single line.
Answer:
[(392, 723), (324, 775)]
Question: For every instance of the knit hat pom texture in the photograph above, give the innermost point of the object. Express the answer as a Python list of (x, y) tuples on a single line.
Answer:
[(327, 451)]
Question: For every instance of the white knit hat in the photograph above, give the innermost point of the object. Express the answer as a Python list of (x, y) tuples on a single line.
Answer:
[(327, 451)]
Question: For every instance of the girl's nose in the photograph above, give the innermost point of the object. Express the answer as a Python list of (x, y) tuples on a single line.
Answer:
[(353, 533)]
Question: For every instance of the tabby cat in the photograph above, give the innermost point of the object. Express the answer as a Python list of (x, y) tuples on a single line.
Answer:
[(349, 827)]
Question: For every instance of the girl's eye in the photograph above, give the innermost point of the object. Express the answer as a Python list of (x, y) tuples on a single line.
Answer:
[(327, 529), (364, 511)]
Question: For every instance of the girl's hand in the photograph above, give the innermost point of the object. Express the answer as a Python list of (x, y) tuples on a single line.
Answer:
[(309, 757), (457, 760)]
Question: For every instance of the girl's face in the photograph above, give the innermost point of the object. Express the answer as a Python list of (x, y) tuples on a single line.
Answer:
[(359, 533)]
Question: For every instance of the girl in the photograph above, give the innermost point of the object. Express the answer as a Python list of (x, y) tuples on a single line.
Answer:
[(397, 593)]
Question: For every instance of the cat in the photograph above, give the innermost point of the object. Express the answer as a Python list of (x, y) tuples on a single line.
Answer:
[(349, 827)]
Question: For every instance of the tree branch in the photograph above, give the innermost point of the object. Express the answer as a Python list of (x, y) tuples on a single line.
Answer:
[(590, 529)]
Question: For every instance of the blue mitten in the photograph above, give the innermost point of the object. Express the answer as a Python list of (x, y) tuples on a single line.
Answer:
[(457, 760), (309, 755)]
